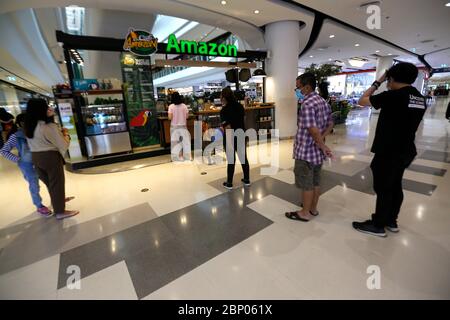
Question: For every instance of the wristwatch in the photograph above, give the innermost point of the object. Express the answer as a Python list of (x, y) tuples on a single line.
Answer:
[(376, 84)]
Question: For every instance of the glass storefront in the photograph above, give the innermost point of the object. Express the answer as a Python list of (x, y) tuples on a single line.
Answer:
[(14, 100)]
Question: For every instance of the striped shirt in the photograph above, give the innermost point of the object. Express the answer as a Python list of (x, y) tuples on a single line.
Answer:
[(8, 146), (315, 112)]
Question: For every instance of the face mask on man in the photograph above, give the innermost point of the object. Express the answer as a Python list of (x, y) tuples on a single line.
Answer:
[(299, 94)]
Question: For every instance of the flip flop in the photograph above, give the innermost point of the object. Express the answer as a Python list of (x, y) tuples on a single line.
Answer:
[(294, 216), (314, 214)]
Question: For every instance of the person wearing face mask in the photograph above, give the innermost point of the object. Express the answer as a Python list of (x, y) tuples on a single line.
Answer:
[(402, 110), (48, 145), (299, 95), (314, 123)]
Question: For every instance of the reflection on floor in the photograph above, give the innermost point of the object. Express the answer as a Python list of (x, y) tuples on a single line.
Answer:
[(188, 238)]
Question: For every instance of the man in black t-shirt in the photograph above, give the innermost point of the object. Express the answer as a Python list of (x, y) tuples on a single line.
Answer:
[(402, 110)]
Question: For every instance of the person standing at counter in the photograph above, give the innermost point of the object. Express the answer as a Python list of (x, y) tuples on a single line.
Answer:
[(48, 144), (178, 114), (232, 117)]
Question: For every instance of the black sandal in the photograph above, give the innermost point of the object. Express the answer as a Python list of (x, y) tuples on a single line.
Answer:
[(295, 216)]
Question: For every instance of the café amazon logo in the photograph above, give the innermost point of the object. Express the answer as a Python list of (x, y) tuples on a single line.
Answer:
[(140, 42), (203, 48)]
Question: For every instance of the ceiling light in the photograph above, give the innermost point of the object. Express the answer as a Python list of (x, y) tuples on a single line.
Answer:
[(357, 62), (332, 35), (311, 56), (356, 44), (377, 51), (223, 2), (390, 54), (447, 4), (256, 11), (330, 59)]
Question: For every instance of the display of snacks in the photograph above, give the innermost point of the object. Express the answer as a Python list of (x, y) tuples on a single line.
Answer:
[(104, 118)]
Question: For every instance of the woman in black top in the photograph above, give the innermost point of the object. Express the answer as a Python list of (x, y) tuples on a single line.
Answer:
[(232, 117)]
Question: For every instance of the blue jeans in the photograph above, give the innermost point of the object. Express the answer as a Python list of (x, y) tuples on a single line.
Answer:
[(31, 176)]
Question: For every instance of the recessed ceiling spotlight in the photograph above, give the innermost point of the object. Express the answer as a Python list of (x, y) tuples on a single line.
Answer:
[(223, 2), (256, 11), (330, 59), (447, 4), (390, 54), (332, 35), (311, 56), (377, 51), (356, 44)]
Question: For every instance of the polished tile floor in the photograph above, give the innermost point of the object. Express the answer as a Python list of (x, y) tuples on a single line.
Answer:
[(188, 238)]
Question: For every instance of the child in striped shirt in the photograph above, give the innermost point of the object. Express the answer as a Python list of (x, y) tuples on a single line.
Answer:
[(18, 140)]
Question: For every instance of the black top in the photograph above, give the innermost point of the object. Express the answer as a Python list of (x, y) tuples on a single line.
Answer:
[(402, 111), (233, 115)]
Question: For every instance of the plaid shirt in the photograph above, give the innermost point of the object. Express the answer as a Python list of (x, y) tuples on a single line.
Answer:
[(315, 112)]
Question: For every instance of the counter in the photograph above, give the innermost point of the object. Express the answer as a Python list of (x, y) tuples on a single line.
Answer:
[(258, 117)]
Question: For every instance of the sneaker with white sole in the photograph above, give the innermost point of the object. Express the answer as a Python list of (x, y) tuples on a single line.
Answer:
[(393, 227), (246, 182), (45, 212), (369, 228), (228, 186)]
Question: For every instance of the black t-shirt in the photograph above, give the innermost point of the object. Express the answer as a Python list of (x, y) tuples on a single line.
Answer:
[(233, 115), (402, 111)]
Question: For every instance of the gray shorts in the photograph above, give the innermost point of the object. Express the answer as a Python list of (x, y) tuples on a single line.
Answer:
[(307, 176)]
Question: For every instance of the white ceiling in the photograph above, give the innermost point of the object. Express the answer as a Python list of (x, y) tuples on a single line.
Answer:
[(342, 47), (404, 22)]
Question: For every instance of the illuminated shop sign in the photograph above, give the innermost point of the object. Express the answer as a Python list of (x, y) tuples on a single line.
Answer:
[(130, 60), (193, 47), (140, 42)]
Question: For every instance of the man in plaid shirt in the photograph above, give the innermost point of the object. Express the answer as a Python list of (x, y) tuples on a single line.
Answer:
[(314, 123)]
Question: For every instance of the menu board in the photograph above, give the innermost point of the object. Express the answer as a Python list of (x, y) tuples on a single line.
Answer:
[(140, 101), (68, 121)]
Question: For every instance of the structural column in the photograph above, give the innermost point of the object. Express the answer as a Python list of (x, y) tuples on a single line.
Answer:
[(282, 41)]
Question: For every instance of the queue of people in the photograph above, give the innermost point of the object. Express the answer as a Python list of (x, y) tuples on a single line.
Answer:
[(402, 110), (41, 145)]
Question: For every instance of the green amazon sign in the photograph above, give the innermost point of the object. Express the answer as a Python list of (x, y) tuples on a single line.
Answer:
[(193, 47)]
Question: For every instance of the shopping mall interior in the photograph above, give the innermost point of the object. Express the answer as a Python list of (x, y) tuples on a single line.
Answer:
[(153, 228)]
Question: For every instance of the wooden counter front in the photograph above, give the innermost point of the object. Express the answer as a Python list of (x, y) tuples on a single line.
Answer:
[(164, 129)]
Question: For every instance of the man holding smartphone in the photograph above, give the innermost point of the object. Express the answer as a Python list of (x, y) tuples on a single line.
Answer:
[(402, 109)]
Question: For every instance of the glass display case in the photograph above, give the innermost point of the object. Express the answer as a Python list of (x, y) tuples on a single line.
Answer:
[(104, 122), (104, 118)]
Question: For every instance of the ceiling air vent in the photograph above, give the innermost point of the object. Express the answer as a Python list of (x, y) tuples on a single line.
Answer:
[(427, 41)]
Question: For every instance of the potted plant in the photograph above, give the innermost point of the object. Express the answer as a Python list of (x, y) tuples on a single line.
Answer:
[(323, 71)]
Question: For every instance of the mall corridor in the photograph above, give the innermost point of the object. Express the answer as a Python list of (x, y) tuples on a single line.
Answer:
[(186, 237)]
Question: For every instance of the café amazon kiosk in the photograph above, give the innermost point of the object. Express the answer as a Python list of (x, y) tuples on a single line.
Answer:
[(113, 121)]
